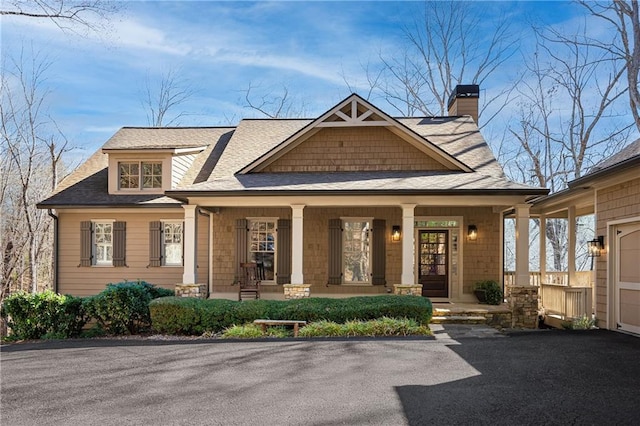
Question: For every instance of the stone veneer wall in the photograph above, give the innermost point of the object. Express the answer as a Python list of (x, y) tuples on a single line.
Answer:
[(524, 306), (192, 290), (297, 291), (407, 289)]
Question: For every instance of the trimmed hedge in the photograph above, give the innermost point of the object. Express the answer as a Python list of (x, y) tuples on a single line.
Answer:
[(174, 315), (43, 315), (123, 308)]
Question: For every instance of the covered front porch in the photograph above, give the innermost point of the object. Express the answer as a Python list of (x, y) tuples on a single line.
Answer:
[(444, 243)]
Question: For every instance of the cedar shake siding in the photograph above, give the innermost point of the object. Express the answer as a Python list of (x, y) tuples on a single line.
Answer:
[(480, 259), (354, 149)]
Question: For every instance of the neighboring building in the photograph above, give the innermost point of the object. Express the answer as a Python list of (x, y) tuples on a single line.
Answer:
[(611, 191), (351, 202)]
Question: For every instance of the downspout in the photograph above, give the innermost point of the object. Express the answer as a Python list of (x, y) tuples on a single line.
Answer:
[(55, 250), (209, 246)]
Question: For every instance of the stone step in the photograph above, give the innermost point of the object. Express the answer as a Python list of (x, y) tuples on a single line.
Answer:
[(458, 319)]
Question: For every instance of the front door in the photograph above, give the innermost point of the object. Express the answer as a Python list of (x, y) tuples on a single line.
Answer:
[(628, 277), (433, 263)]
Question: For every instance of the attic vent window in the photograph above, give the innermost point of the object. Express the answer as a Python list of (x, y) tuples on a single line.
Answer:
[(140, 175)]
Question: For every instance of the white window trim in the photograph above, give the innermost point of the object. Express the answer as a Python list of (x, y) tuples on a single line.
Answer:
[(275, 242), (163, 244), (140, 188), (369, 281), (114, 172), (94, 245)]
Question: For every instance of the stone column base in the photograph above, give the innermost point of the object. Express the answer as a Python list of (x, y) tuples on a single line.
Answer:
[(407, 289), (297, 291), (523, 301), (192, 290)]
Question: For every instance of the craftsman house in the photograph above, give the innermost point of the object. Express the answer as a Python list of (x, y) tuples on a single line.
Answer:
[(351, 202)]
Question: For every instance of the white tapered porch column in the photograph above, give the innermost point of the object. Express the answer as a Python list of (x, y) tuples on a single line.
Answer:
[(190, 273), (543, 249), (571, 256), (297, 223), (408, 244), (522, 245)]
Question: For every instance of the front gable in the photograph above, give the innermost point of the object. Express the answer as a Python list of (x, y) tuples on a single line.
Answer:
[(355, 136)]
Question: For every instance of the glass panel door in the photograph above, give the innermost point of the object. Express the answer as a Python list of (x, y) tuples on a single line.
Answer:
[(433, 263)]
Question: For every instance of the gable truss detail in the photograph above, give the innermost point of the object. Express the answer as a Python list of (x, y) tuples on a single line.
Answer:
[(353, 113)]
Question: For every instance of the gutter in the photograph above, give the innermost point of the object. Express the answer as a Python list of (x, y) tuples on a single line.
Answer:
[(55, 250), (184, 195)]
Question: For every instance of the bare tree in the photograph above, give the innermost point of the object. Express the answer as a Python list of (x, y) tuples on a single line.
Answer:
[(624, 17), (565, 121), (274, 104), (445, 47), (68, 15), (30, 159), (162, 97)]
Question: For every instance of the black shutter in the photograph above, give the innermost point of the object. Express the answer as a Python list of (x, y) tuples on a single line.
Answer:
[(241, 244), (335, 251), (155, 243), (119, 243), (379, 252), (85, 243), (284, 251)]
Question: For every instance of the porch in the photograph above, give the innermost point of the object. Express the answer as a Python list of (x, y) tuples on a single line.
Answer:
[(561, 299)]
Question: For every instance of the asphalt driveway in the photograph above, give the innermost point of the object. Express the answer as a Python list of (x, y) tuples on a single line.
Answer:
[(540, 377)]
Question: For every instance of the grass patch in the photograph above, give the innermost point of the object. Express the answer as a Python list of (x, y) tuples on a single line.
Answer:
[(374, 328), (252, 331)]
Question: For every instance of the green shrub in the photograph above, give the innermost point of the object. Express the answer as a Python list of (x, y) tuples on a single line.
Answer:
[(493, 292), (172, 315), (123, 308), (43, 315)]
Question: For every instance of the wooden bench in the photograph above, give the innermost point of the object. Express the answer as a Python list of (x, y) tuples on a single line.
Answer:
[(295, 323)]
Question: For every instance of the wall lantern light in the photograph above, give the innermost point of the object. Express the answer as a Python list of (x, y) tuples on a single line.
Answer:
[(596, 246), (395, 233), (472, 233)]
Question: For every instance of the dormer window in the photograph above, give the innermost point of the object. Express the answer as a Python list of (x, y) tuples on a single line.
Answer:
[(140, 175)]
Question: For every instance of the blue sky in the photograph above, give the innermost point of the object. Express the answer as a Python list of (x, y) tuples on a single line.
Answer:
[(95, 82)]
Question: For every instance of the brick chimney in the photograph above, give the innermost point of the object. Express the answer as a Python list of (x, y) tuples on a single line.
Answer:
[(464, 100)]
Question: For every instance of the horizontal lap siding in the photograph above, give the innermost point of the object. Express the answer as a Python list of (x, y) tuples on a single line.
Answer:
[(613, 203), (83, 281)]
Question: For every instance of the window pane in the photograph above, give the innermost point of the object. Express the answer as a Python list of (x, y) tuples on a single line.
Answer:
[(173, 254), (356, 251), (262, 247), (128, 175), (152, 175)]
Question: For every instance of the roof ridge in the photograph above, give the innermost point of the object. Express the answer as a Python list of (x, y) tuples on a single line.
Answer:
[(177, 127)]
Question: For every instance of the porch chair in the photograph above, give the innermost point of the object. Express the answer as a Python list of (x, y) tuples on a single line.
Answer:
[(249, 281)]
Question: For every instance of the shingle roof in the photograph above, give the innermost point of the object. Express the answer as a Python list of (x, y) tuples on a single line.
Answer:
[(228, 150), (429, 182), (88, 184), (630, 151), (161, 137)]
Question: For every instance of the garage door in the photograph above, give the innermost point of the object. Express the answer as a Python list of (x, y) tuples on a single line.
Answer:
[(628, 277)]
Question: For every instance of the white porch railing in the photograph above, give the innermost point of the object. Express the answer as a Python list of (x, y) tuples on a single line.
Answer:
[(557, 297), (567, 302)]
